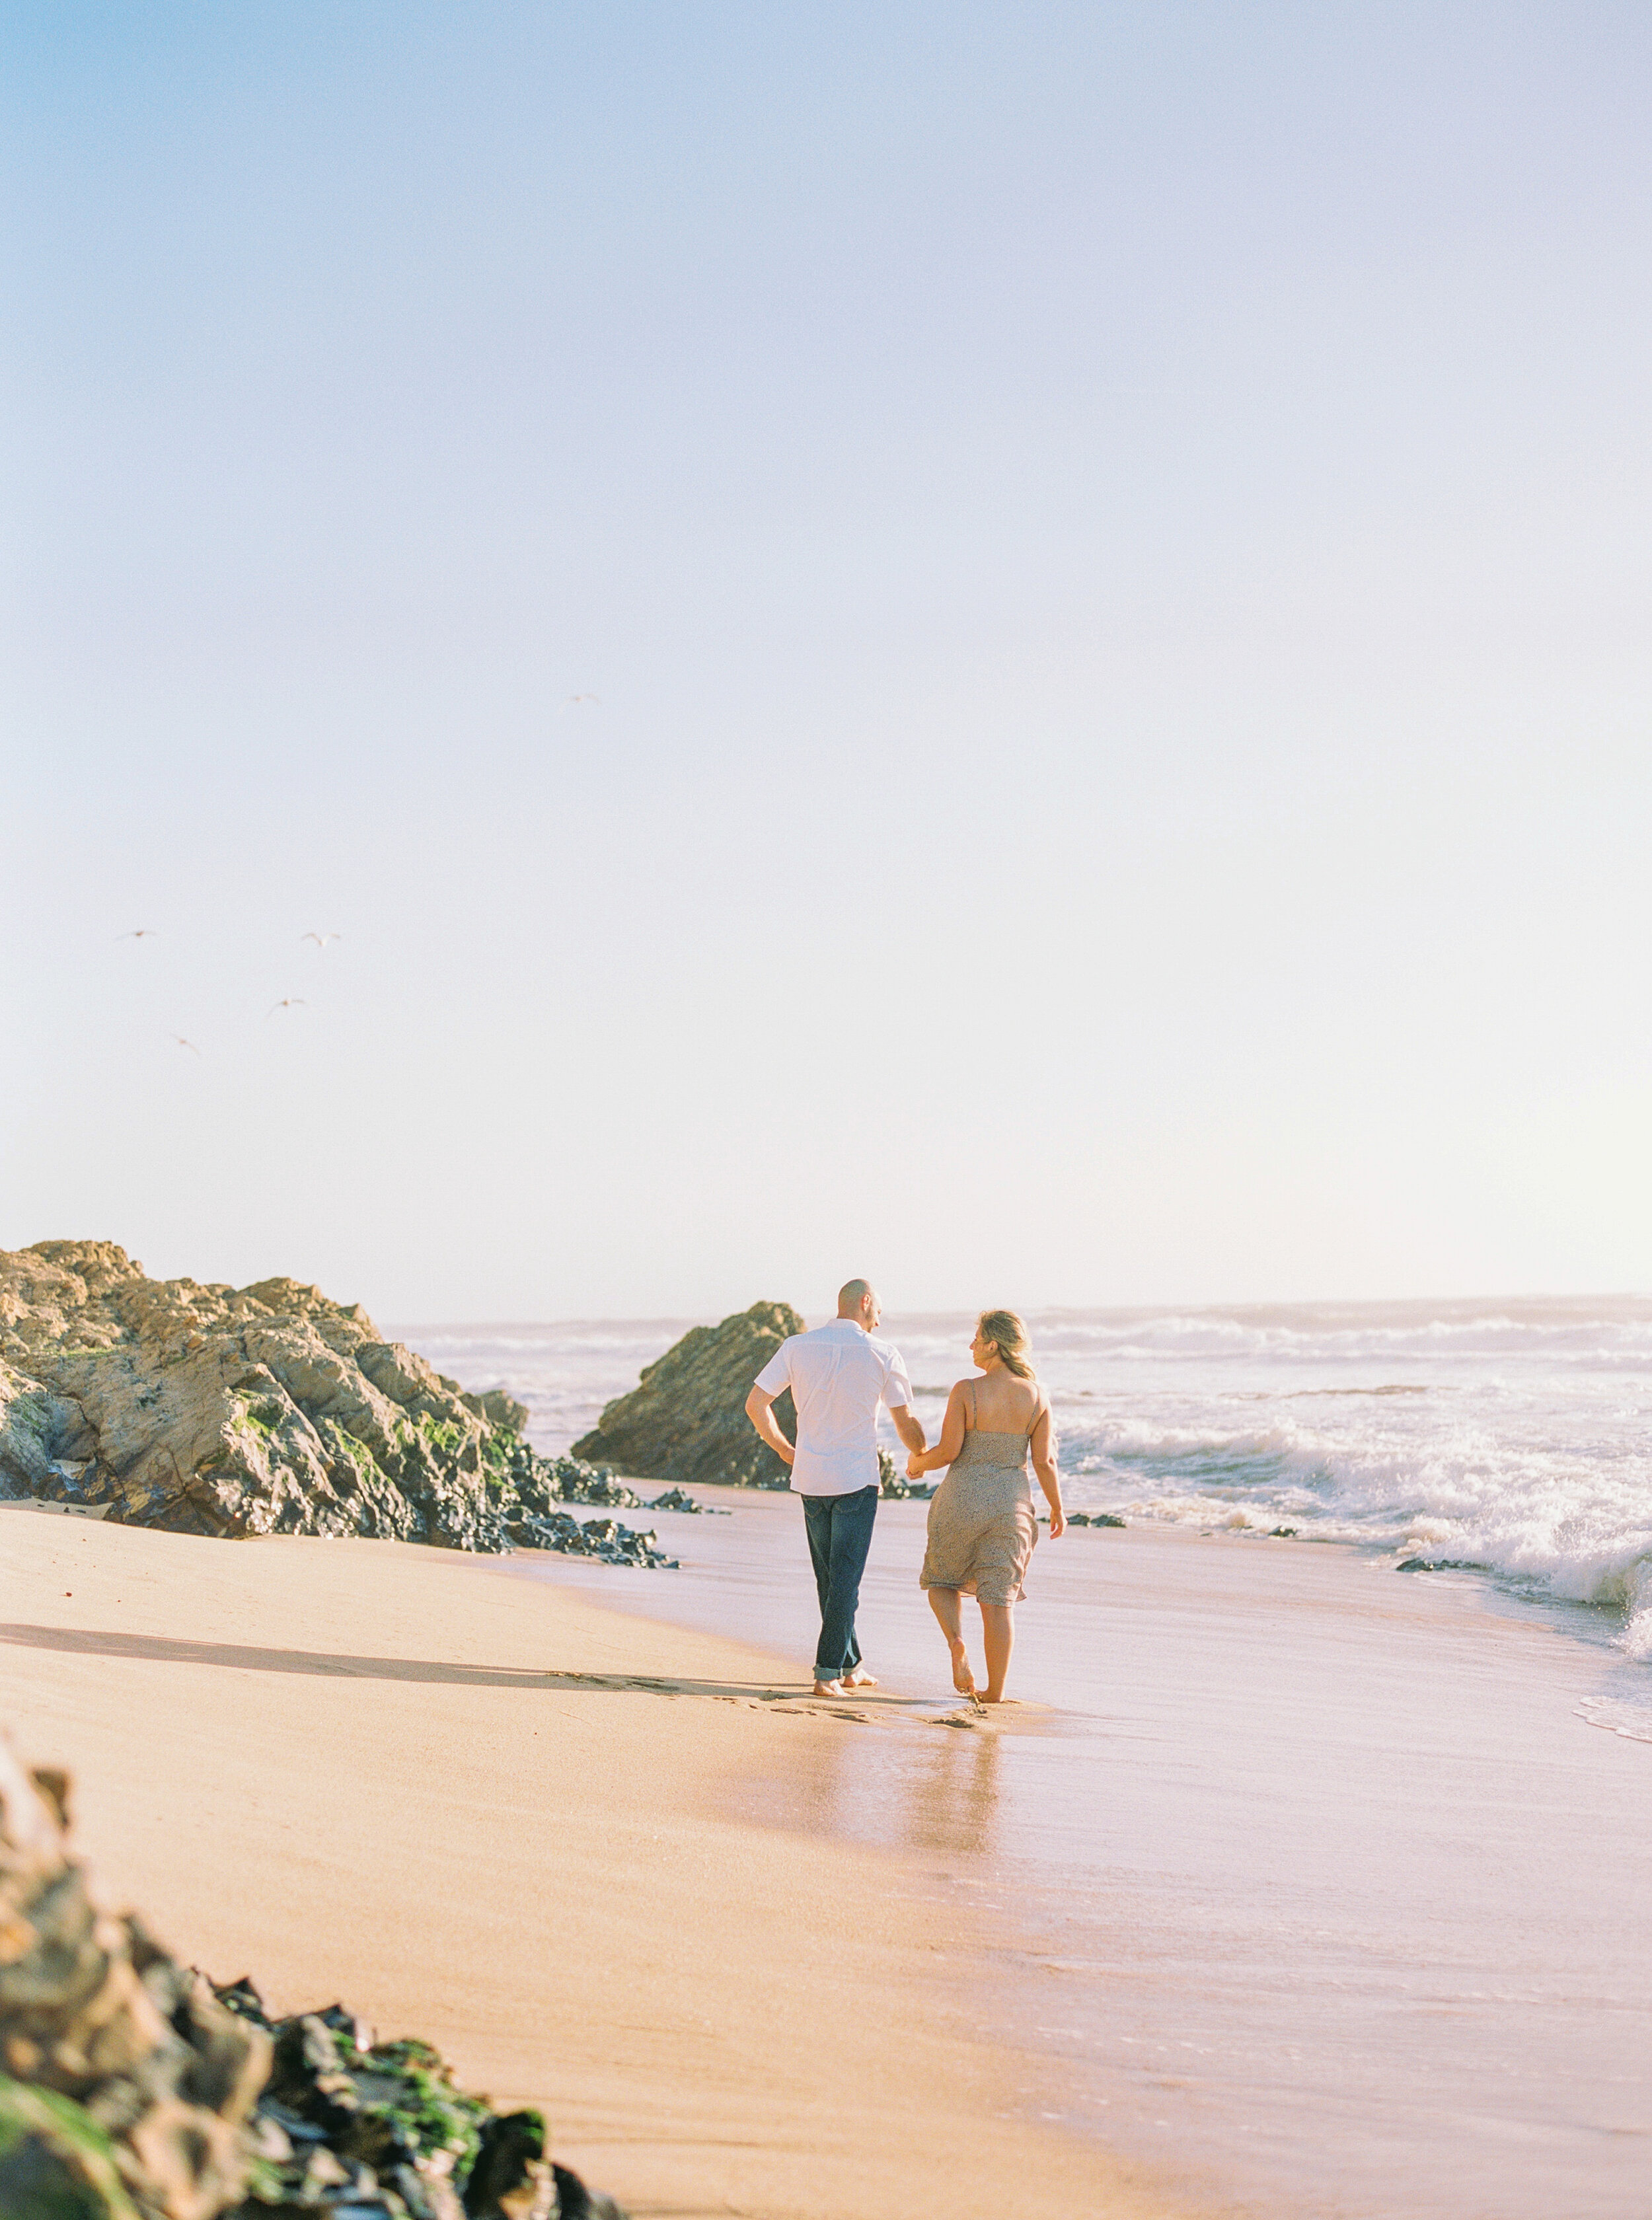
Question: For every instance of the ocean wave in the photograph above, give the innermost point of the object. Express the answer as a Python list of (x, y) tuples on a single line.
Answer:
[(1612, 1333), (1511, 1434), (1570, 1519)]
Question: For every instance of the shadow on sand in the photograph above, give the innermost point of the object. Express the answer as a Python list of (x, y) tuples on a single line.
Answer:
[(243, 1657)]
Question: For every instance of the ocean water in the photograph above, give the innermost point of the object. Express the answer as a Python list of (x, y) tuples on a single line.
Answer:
[(1509, 1437), (1313, 1886)]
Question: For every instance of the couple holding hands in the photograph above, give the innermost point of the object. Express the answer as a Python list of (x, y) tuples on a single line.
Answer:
[(982, 1526)]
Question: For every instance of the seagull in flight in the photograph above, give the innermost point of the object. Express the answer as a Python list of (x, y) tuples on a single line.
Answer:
[(189, 1044), (321, 939), (143, 932), (576, 701), (287, 1002)]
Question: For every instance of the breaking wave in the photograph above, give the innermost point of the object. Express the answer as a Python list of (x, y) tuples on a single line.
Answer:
[(1509, 1436)]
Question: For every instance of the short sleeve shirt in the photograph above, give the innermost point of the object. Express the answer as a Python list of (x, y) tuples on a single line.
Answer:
[(837, 1376)]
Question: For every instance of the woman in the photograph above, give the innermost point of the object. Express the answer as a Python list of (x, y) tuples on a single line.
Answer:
[(982, 1529)]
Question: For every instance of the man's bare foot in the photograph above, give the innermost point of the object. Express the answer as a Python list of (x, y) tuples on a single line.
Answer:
[(830, 1689), (859, 1679), (963, 1678)]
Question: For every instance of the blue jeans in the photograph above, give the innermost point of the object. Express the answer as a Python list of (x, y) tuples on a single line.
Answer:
[(840, 1533)]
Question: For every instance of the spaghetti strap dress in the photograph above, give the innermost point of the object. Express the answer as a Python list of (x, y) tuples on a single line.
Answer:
[(982, 1527)]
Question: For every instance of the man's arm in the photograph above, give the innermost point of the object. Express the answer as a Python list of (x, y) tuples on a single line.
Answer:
[(759, 1409), (909, 1429)]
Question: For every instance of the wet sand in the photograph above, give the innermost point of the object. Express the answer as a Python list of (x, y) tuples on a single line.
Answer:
[(1321, 1877), (487, 1810)]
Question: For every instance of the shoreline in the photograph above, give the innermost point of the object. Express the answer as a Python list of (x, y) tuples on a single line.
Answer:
[(344, 1768), (1293, 1885), (1310, 1875)]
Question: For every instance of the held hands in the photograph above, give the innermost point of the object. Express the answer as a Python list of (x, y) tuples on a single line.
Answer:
[(915, 1465)]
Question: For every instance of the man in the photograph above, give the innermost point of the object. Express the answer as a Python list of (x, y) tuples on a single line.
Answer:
[(839, 1374)]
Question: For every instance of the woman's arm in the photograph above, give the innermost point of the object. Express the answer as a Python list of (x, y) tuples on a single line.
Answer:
[(1044, 1463), (948, 1443)]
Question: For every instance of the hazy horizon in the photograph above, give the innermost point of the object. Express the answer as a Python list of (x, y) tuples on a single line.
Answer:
[(1396, 1306), (1007, 650)]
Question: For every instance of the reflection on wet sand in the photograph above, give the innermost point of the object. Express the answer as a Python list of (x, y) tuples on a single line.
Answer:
[(921, 1792), (1299, 1871)]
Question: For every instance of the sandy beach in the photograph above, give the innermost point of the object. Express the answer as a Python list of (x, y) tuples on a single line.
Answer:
[(488, 1811), (1292, 1885)]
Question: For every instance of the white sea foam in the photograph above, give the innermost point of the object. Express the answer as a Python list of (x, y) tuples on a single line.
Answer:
[(1510, 1435), (1631, 1721)]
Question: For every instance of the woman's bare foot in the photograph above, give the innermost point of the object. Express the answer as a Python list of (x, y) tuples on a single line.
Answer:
[(963, 1678), (859, 1679)]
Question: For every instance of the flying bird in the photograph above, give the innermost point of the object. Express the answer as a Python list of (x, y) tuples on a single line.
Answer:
[(143, 932), (575, 701), (321, 939), (189, 1044), (287, 1002)]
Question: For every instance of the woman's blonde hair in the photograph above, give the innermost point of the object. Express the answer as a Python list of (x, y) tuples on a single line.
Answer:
[(1008, 1336)]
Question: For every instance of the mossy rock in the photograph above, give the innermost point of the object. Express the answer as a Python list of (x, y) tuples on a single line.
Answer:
[(56, 2163), (685, 1421)]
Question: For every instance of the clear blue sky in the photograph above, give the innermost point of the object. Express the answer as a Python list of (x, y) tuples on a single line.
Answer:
[(1112, 547)]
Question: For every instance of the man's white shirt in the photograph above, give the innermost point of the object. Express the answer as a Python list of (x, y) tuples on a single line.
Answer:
[(837, 1376)]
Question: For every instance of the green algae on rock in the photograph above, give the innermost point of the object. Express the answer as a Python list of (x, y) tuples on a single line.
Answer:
[(685, 1422), (56, 2163)]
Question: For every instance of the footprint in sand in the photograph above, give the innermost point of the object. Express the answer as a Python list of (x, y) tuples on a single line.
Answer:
[(780, 1701)]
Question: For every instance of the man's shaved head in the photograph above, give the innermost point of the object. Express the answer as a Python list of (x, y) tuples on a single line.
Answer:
[(852, 1295)]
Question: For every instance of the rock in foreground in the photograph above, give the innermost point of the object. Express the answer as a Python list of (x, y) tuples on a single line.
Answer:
[(260, 1409), (686, 1421), (126, 2083), (133, 2089)]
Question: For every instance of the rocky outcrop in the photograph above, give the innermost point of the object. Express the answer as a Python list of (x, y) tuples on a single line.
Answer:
[(686, 1419), (133, 2089), (261, 1410), (685, 1422)]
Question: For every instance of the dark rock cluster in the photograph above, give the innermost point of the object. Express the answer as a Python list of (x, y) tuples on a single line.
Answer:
[(533, 1518), (591, 1537), (893, 1483), (576, 1482), (352, 2129), (676, 1499), (685, 1421), (133, 2089), (268, 1409)]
